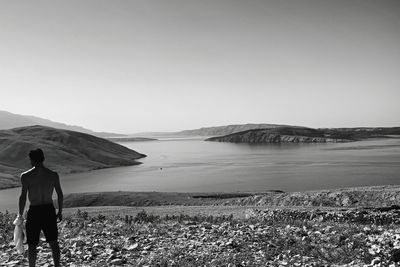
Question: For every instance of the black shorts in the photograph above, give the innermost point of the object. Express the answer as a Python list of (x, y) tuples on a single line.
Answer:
[(42, 217)]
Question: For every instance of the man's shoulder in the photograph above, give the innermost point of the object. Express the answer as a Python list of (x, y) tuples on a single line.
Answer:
[(51, 172), (25, 173)]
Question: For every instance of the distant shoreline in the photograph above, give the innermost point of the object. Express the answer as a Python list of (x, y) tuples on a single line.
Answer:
[(130, 139)]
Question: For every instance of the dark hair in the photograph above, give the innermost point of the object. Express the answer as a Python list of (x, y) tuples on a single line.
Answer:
[(36, 155)]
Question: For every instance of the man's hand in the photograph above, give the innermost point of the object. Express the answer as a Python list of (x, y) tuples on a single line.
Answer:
[(59, 217), (19, 220)]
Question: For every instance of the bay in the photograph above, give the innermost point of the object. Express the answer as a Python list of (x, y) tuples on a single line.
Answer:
[(194, 165)]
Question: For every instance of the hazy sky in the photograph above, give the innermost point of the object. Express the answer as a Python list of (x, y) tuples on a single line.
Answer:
[(132, 66)]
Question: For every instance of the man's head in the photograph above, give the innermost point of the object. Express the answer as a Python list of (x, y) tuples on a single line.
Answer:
[(36, 156)]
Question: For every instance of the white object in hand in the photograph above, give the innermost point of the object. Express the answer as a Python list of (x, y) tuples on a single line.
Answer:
[(19, 234)]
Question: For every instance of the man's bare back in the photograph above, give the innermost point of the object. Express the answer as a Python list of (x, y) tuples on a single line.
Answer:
[(40, 182)]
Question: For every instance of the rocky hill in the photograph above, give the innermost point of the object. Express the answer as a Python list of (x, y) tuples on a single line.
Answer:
[(361, 132), (290, 134), (279, 135), (10, 120), (65, 152)]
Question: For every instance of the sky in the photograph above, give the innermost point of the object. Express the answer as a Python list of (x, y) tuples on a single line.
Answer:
[(138, 66)]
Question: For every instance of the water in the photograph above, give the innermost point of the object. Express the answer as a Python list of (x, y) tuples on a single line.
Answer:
[(193, 165)]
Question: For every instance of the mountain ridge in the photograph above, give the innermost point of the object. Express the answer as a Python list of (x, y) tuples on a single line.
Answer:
[(9, 120), (228, 129), (212, 130)]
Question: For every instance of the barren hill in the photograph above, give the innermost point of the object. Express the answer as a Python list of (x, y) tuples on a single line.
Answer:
[(278, 135), (290, 134), (65, 152)]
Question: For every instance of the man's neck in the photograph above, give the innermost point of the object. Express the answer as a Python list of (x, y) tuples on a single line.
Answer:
[(38, 166)]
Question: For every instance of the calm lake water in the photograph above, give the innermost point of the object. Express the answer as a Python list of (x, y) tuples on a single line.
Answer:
[(193, 165)]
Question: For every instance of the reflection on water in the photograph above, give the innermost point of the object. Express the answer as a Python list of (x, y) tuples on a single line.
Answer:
[(194, 165)]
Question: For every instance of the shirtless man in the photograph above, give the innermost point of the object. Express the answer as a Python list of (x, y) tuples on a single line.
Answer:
[(39, 183)]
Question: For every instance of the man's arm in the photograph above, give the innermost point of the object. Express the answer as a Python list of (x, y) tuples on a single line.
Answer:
[(60, 197), (22, 198)]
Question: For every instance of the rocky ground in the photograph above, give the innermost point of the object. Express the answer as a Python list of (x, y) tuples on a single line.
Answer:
[(263, 237)]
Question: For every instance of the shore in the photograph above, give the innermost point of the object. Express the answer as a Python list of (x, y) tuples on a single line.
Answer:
[(372, 196), (357, 197)]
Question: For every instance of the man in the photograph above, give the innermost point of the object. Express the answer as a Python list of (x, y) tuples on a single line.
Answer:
[(39, 183)]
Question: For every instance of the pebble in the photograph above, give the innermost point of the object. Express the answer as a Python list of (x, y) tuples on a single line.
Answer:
[(133, 247), (117, 262)]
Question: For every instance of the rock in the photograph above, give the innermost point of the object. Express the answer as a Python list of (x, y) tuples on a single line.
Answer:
[(395, 255), (12, 263), (376, 261), (117, 261), (133, 247), (78, 243)]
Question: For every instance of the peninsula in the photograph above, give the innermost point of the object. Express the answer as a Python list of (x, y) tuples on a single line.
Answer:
[(66, 152), (294, 134)]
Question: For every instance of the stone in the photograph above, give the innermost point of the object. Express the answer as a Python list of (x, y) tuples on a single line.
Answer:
[(133, 247), (395, 255), (117, 261)]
